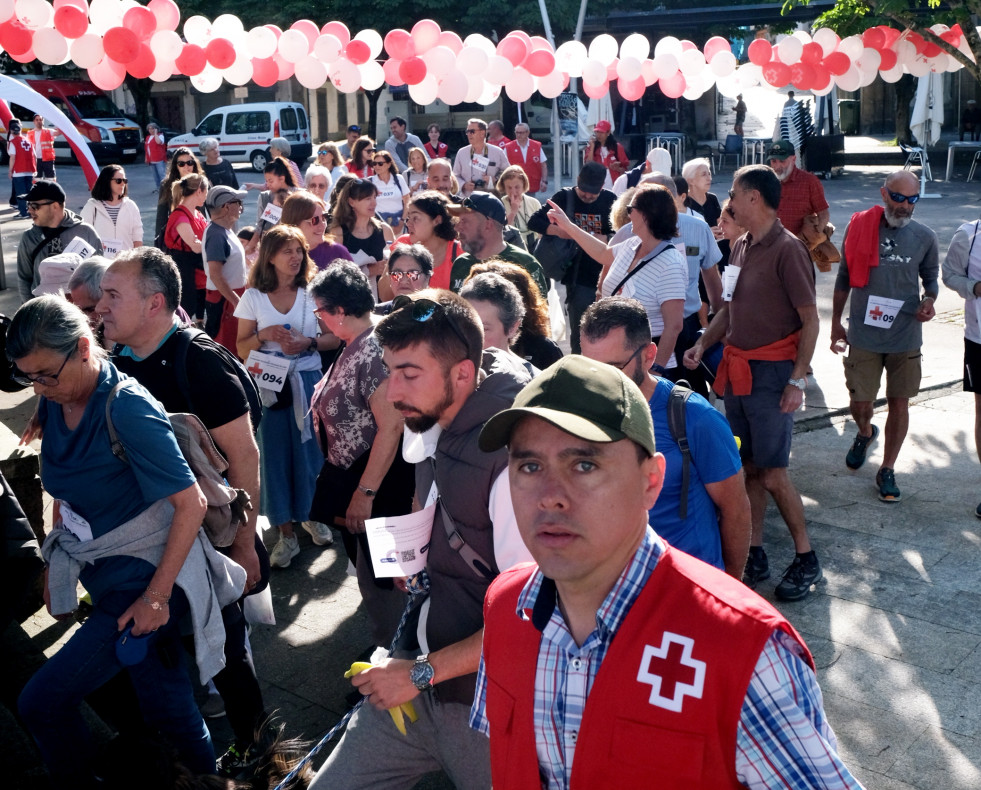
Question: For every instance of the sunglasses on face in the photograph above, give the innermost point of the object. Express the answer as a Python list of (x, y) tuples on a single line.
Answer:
[(413, 275), (317, 220), (898, 198), (186, 163), (321, 153), (474, 131), (424, 310), (379, 163), (120, 181)]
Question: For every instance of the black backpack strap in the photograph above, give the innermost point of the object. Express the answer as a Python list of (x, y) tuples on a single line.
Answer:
[(34, 253), (467, 553), (114, 442), (677, 406)]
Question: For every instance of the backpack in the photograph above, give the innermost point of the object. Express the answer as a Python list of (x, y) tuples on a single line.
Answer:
[(226, 505), (677, 406)]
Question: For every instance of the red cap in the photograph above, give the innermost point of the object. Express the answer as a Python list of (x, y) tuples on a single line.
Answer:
[(603, 126)]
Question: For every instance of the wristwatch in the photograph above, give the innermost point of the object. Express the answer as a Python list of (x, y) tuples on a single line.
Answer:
[(801, 384), (368, 492), (421, 674)]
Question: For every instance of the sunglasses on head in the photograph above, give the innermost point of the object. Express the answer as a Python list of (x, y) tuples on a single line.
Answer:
[(898, 198), (424, 310)]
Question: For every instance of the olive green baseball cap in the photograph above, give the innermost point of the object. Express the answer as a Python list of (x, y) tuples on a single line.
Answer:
[(585, 398)]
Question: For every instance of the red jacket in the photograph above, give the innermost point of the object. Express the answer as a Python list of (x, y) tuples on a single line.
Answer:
[(24, 160), (532, 165), (442, 149), (155, 152), (639, 721), (616, 162), (47, 143)]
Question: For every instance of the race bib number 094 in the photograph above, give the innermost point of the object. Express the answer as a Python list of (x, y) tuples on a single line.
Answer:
[(268, 370)]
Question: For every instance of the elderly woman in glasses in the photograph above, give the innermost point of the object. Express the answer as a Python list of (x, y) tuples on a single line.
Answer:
[(410, 267), (218, 170), (110, 211), (306, 212), (360, 433), (128, 528)]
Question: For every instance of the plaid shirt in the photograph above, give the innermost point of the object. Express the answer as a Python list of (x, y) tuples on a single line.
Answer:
[(801, 194), (783, 739)]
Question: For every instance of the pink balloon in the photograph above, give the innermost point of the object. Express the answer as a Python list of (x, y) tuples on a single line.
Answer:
[(452, 40), (611, 70), (285, 68), (760, 51), (141, 21), (167, 13), (265, 72), (79, 4), (307, 28), (522, 35), (391, 68), (686, 45), (399, 44), (144, 64), (596, 91), (121, 44), (25, 57), (276, 30), (191, 61), (358, 52), (412, 71), (338, 29), (631, 90), (71, 21), (537, 42), (107, 74), (540, 62), (16, 38), (513, 48), (674, 86), (425, 34), (714, 46), (220, 53)]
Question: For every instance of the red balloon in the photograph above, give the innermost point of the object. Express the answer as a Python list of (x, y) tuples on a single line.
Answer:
[(144, 64), (220, 53), (265, 72), (837, 63), (812, 53), (412, 71), (24, 57), (631, 90), (399, 45), (191, 61), (596, 91), (391, 68), (358, 52), (285, 68), (16, 38), (802, 76), (822, 77), (70, 21), (540, 62), (873, 38), (776, 73), (931, 50), (917, 41), (890, 35), (674, 86), (759, 52), (141, 21), (952, 37), (514, 49), (889, 59), (121, 44)]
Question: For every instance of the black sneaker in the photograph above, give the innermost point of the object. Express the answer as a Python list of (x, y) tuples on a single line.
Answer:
[(886, 481), (236, 761), (796, 583), (856, 455), (977, 511), (757, 567)]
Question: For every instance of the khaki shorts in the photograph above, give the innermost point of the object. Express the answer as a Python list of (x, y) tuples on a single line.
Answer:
[(863, 373)]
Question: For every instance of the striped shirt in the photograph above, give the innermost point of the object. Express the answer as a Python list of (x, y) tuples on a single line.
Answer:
[(783, 739)]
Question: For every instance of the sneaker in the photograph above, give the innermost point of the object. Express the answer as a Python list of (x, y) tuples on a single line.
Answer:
[(284, 552), (320, 532), (856, 456), (236, 761), (757, 567), (796, 583), (977, 511), (886, 481)]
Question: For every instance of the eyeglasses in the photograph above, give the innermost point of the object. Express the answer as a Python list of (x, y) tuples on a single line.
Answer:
[(632, 357), (38, 206), (185, 163), (379, 163), (898, 198), (44, 380), (316, 220), (474, 131), (318, 310), (120, 181), (631, 209), (424, 309), (413, 275)]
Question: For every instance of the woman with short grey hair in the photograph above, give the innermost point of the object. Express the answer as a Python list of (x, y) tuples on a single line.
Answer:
[(500, 307), (280, 146), (85, 290), (217, 169)]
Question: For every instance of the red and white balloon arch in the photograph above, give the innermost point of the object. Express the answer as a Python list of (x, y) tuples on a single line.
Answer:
[(110, 38)]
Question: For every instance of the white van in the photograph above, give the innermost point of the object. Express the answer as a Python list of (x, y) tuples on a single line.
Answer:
[(244, 130)]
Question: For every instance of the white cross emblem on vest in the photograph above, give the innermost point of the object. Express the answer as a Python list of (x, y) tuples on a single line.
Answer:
[(672, 672)]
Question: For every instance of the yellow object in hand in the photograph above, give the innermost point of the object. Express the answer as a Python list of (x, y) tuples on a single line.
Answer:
[(399, 712)]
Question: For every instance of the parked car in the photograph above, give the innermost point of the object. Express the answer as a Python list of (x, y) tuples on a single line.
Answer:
[(244, 130)]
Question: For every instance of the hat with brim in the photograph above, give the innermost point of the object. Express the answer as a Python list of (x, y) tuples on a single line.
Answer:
[(587, 399), (56, 272), (483, 203), (219, 195), (781, 149)]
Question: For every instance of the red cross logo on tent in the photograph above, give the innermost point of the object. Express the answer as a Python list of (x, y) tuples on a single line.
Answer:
[(672, 672)]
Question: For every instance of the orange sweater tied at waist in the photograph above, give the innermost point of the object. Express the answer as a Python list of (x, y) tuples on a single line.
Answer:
[(734, 366)]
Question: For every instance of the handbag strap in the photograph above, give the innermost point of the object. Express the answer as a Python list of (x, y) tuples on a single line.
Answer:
[(639, 266)]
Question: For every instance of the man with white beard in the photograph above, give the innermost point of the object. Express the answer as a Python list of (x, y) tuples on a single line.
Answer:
[(885, 256), (801, 193)]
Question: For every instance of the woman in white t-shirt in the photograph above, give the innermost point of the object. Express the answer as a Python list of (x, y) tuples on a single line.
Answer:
[(276, 317), (393, 192)]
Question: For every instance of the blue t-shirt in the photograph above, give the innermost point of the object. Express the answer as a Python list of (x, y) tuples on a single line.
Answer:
[(714, 457), (78, 466)]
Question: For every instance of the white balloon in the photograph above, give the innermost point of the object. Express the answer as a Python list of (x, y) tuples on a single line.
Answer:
[(197, 30), (749, 76), (665, 65), (34, 13), (262, 42), (551, 85), (6, 10), (104, 14), (628, 68), (635, 45), (691, 63), (790, 50), (481, 42), (86, 51), (489, 96), (866, 78), (905, 52), (166, 45), (373, 40), (953, 64), (729, 86), (424, 92), (499, 70), (695, 86), (208, 81), (50, 46), (669, 45), (920, 66), (570, 57), (852, 46), (440, 60), (603, 48), (475, 87), (228, 26), (294, 46), (521, 85), (472, 60), (870, 61), (310, 72), (165, 70), (723, 64), (892, 75), (803, 36), (372, 75), (327, 47), (345, 75), (453, 89), (827, 38), (240, 72), (850, 80), (594, 72)]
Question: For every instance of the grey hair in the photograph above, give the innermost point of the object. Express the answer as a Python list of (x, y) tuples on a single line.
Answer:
[(281, 144), (158, 274), (521, 125), (692, 165), (49, 322), (417, 252), (665, 181), (479, 122), (502, 293), (89, 275), (207, 144), (318, 170)]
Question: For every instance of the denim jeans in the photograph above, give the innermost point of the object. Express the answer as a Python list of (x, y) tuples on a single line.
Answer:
[(159, 171), (22, 185), (49, 703)]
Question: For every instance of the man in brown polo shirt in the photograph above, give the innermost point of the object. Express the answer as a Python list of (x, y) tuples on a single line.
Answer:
[(763, 372)]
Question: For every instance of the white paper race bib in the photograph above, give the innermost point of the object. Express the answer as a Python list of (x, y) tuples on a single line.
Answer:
[(882, 312), (73, 522), (80, 247), (272, 214), (479, 165), (268, 370), (729, 277), (112, 247)]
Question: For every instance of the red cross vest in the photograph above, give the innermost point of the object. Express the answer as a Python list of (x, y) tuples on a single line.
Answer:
[(155, 152), (664, 707), (47, 143), (24, 159), (532, 165)]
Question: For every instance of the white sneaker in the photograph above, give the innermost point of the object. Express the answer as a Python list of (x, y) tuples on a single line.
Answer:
[(284, 552), (320, 532)]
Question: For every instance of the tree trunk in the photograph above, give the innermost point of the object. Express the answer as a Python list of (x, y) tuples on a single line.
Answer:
[(373, 97), (140, 89), (905, 91)]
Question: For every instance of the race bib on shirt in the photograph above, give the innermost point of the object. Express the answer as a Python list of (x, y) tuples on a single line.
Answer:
[(271, 214), (729, 277), (80, 247), (881, 312), (479, 165), (268, 370), (112, 247), (73, 522)]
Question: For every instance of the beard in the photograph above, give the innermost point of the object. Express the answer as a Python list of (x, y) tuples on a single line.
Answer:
[(427, 419), (895, 220), (787, 173)]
